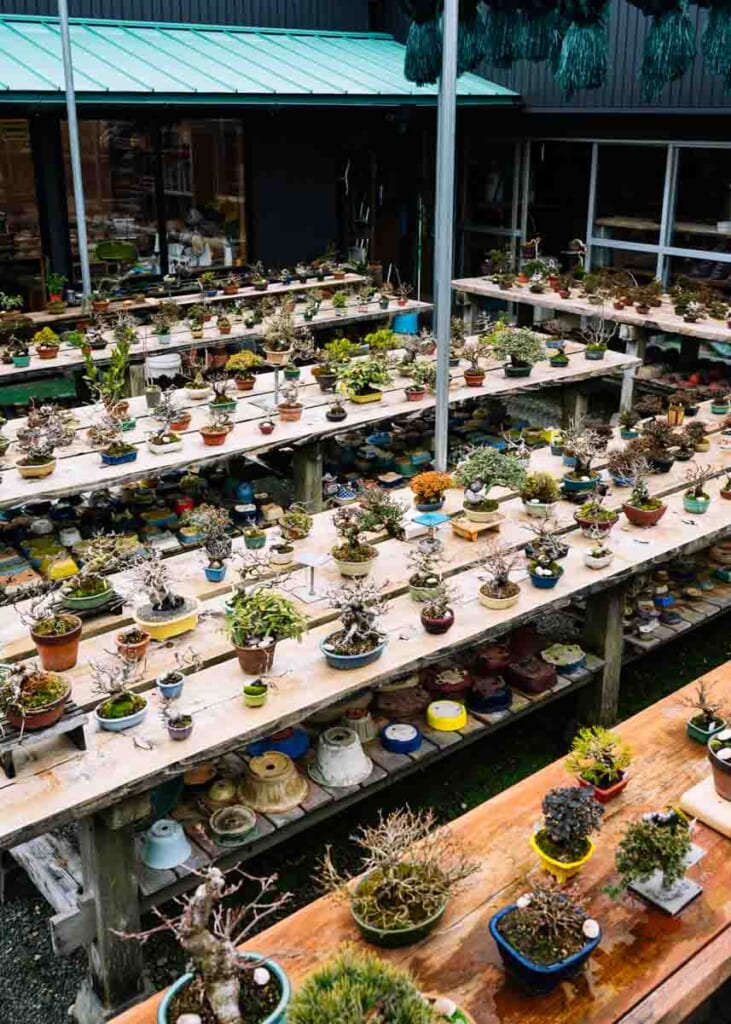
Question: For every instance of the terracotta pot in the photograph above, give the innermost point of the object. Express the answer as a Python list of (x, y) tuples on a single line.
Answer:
[(415, 395), (255, 661), (213, 438), (47, 353), (57, 653), (474, 378), (41, 718), (133, 652), (644, 517), (245, 383), (182, 423), (605, 795), (290, 413)]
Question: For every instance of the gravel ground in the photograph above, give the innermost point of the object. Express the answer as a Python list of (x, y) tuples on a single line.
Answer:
[(37, 987)]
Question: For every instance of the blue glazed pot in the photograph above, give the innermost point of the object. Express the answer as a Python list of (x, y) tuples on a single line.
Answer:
[(171, 690), (21, 360), (500, 701), (538, 978), (120, 724), (430, 506), (294, 743), (277, 1016), (405, 323), (117, 460), (623, 481), (595, 356), (215, 575), (545, 582), (497, 443), (577, 486), (627, 435), (400, 738), (697, 506), (349, 661), (569, 460)]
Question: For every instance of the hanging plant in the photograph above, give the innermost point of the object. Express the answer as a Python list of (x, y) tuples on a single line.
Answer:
[(543, 30), (423, 60), (502, 28), (716, 39), (471, 39), (669, 43), (582, 63)]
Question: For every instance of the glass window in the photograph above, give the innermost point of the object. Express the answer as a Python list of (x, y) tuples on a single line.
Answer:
[(630, 186), (714, 272), (642, 265), (20, 242), (703, 204), (118, 169), (487, 199), (203, 173), (559, 199)]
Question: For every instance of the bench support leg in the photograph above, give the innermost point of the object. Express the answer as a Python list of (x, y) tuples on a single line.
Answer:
[(110, 878), (307, 476), (603, 634)]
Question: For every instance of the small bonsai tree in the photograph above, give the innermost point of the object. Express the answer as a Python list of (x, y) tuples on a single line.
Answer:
[(151, 575), (44, 433), (659, 842), (518, 347), (440, 602), (382, 512), (25, 688), (242, 364), (262, 617), (598, 756), (111, 681), (548, 924), (546, 546), (540, 488), (411, 869), (429, 487), (424, 565), (570, 815), (360, 604), (640, 496), (483, 468), (213, 524), (585, 445), (497, 562), (364, 376), (351, 523), (296, 522), (187, 661), (708, 711), (210, 934), (659, 438), (696, 478), (279, 333)]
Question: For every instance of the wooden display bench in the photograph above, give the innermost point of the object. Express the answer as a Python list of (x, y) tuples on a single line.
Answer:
[(648, 968)]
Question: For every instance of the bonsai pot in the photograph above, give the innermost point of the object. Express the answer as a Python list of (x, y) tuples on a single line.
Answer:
[(277, 1016), (255, 694), (644, 516), (573, 486), (58, 653), (215, 574), (559, 361), (530, 674), (21, 360), (181, 423), (517, 371), (627, 435), (230, 826), (327, 381), (118, 460), (721, 774), (429, 506), (229, 405), (561, 870), (194, 394), (414, 394), (396, 937), (173, 688), (39, 718), (477, 515), (266, 426), (290, 413), (623, 481), (272, 784), (292, 373), (498, 603), (36, 472), (245, 383), (661, 465), (717, 408), (89, 602), (724, 493), (537, 979), (699, 734), (594, 354), (340, 760), (696, 506), (133, 652), (255, 661), (349, 661), (489, 695), (213, 438), (605, 793), (437, 626), (367, 396), (602, 527), (541, 509), (474, 378), (592, 562), (163, 449), (355, 568), (336, 417), (120, 724), (47, 352), (180, 732), (168, 626), (277, 358), (545, 582), (253, 543)]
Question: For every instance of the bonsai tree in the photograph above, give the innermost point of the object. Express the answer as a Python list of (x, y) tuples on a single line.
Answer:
[(598, 757), (439, 604), (124, 330), (150, 575), (10, 302), (548, 925), (658, 438), (423, 375), (364, 377), (696, 432), (628, 419), (382, 512), (213, 524), (88, 582), (483, 468), (279, 333), (296, 523), (220, 384), (585, 445), (593, 513), (336, 353), (622, 463), (708, 712), (547, 546), (187, 661), (410, 867), (570, 815), (474, 350), (178, 723), (26, 690), (597, 334), (497, 563), (46, 338), (540, 489), (226, 986), (360, 605), (425, 572), (658, 842), (39, 441), (380, 341), (357, 978), (242, 364), (351, 523), (696, 478), (517, 347), (262, 617), (429, 487), (111, 681)]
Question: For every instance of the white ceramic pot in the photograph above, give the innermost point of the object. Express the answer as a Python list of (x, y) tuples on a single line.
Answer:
[(163, 449), (198, 394), (69, 536), (281, 557), (481, 517), (597, 563), (542, 509), (497, 602), (341, 760), (354, 568)]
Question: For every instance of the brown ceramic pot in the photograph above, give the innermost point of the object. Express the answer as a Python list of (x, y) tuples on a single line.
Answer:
[(57, 653), (255, 661)]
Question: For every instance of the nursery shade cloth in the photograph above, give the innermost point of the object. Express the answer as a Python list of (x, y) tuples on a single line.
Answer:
[(163, 62)]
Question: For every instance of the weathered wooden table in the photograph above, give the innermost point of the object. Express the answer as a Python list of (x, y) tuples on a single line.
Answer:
[(648, 969)]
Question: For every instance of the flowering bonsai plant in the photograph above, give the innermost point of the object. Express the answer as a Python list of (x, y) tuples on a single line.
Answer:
[(570, 815), (599, 758), (359, 641), (429, 489)]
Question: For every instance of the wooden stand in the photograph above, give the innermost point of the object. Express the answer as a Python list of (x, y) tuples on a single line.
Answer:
[(72, 724)]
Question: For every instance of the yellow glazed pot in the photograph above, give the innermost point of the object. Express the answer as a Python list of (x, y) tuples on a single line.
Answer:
[(373, 396), (446, 715), (561, 870), (36, 472), (168, 628)]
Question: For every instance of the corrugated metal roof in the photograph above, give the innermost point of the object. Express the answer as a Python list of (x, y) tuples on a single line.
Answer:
[(166, 62)]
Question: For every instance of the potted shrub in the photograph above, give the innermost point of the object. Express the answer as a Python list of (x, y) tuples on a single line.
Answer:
[(437, 613), (196, 325), (46, 343), (352, 555), (481, 469), (120, 707), (429, 490), (380, 341), (594, 518), (242, 365), (179, 724), (599, 555), (570, 815), (212, 525), (55, 633), (519, 349), (359, 641), (585, 445), (38, 441), (540, 493), (628, 420), (411, 868), (707, 720), (425, 575), (290, 407), (170, 684), (32, 699), (364, 380), (599, 759), (696, 499), (654, 849), (215, 432), (497, 590), (544, 938), (163, 613), (225, 986), (421, 375), (331, 358), (231, 285), (132, 643), (336, 411), (278, 336), (54, 287), (697, 435), (19, 352), (223, 323), (87, 590), (474, 350), (640, 508), (559, 357), (296, 523), (261, 618)]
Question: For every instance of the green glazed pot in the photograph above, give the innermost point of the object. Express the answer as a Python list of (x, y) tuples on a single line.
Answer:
[(396, 938)]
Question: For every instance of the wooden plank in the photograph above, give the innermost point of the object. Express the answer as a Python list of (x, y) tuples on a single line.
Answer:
[(151, 880), (54, 867)]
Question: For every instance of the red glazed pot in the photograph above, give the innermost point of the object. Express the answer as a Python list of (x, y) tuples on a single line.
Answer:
[(213, 438), (605, 795), (265, 427), (644, 517), (57, 653), (47, 353), (437, 626), (182, 423)]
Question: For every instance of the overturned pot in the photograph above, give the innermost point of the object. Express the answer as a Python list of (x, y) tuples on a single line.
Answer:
[(341, 760), (272, 784)]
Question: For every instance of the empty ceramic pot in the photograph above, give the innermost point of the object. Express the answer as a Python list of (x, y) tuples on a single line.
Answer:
[(341, 760), (361, 722), (165, 845), (272, 783), (232, 826)]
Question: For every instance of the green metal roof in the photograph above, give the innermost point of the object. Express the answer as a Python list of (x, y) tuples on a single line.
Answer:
[(162, 62)]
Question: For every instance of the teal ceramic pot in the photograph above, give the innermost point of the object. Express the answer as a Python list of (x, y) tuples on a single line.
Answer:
[(697, 506), (517, 371), (165, 845), (76, 604), (702, 735), (277, 1016), (398, 937)]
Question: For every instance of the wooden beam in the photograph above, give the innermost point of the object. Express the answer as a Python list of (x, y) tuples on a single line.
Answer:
[(603, 634), (307, 476)]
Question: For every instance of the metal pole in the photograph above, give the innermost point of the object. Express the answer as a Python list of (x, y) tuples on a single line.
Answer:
[(74, 149), (443, 226)]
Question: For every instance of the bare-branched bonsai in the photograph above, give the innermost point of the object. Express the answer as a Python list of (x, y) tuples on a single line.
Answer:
[(411, 868), (599, 757), (497, 563), (547, 546), (187, 661), (708, 711), (25, 690), (225, 984), (696, 478), (585, 445), (360, 604), (151, 576), (570, 815), (111, 681), (212, 523), (45, 431), (44, 617), (425, 571), (382, 512), (548, 925)]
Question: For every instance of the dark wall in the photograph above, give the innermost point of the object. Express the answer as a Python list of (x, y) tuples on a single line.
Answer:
[(350, 15)]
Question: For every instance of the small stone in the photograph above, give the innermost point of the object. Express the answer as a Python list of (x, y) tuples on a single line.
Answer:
[(261, 976), (591, 928), (189, 1018), (724, 734), (446, 1007), (523, 901), (724, 755)]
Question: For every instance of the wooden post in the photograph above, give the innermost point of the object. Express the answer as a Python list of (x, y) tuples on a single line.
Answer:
[(603, 635), (635, 338), (136, 379), (307, 476), (110, 879)]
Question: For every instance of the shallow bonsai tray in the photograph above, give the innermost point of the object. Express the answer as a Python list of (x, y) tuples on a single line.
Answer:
[(113, 606), (679, 896), (71, 723)]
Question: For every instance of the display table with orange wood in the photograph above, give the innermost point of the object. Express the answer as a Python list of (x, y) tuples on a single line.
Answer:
[(648, 967)]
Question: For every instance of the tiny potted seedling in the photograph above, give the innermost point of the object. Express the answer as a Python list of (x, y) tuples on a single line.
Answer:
[(359, 641), (120, 707), (170, 683), (707, 719), (599, 759), (570, 815), (696, 499), (498, 591), (179, 724)]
